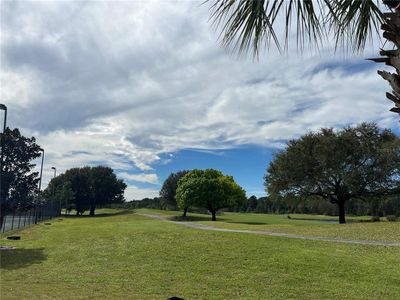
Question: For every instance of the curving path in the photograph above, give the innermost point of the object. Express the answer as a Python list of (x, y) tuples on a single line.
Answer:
[(270, 233)]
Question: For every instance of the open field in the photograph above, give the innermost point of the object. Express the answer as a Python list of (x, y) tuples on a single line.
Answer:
[(121, 255), (311, 225)]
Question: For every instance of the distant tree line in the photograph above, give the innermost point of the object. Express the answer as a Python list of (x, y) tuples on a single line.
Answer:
[(383, 206)]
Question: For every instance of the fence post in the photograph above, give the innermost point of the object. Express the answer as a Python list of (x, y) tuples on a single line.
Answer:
[(4, 223), (12, 221), (36, 215), (19, 219)]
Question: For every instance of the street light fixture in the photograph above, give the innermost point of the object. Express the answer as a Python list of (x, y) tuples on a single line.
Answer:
[(55, 171), (2, 107)]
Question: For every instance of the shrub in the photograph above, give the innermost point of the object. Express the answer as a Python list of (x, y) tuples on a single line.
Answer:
[(391, 218), (375, 219)]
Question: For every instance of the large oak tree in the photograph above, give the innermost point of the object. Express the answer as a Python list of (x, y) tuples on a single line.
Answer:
[(354, 162), (91, 187)]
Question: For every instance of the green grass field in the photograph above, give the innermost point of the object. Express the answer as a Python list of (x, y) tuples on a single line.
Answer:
[(121, 255), (313, 225)]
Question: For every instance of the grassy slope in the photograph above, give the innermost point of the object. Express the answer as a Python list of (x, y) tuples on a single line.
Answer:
[(379, 231), (127, 256)]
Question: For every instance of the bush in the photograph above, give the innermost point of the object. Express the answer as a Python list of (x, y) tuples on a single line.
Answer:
[(391, 218), (375, 219)]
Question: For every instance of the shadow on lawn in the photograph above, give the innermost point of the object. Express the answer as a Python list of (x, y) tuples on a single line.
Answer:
[(191, 218), (102, 215), (247, 223), (21, 258), (208, 218)]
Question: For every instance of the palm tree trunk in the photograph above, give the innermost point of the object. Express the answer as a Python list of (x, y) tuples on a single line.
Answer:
[(391, 32)]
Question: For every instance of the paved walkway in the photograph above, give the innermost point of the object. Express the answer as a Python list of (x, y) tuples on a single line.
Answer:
[(270, 233)]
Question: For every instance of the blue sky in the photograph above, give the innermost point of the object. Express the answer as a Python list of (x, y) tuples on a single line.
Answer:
[(145, 88), (247, 164)]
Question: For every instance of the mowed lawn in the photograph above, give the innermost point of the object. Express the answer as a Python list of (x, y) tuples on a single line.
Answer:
[(121, 255), (311, 225)]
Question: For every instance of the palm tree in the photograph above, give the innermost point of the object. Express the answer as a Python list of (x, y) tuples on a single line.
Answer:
[(248, 25)]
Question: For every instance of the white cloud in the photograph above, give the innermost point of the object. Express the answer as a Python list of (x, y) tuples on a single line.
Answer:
[(135, 193), (143, 177), (154, 81)]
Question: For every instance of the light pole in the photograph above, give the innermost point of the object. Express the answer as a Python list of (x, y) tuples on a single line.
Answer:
[(2, 107), (40, 186), (54, 191), (41, 170)]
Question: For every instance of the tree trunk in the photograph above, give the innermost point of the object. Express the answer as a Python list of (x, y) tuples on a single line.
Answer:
[(1, 220), (391, 29), (185, 212), (342, 218), (92, 208), (77, 212), (214, 213)]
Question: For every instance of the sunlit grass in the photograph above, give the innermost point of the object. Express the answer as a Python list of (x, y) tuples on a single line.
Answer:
[(127, 256), (313, 225)]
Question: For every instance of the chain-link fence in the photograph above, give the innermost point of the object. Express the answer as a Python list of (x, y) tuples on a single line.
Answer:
[(24, 217)]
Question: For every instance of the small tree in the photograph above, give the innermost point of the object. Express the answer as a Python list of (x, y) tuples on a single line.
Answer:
[(338, 166), (252, 204), (168, 190), (210, 189)]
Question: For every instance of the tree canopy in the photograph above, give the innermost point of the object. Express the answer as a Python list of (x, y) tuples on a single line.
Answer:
[(90, 186), (355, 162), (209, 189), (19, 184), (168, 189)]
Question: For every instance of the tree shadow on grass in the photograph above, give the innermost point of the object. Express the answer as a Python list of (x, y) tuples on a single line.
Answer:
[(20, 258), (102, 215), (208, 218), (191, 218), (247, 223)]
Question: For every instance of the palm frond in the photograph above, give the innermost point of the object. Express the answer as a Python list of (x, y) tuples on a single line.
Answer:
[(248, 25), (354, 22)]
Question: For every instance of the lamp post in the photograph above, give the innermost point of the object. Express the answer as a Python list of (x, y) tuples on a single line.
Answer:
[(2, 107), (40, 186), (54, 191), (41, 170)]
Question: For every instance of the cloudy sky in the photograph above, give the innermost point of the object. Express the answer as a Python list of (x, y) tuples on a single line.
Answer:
[(145, 88)]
